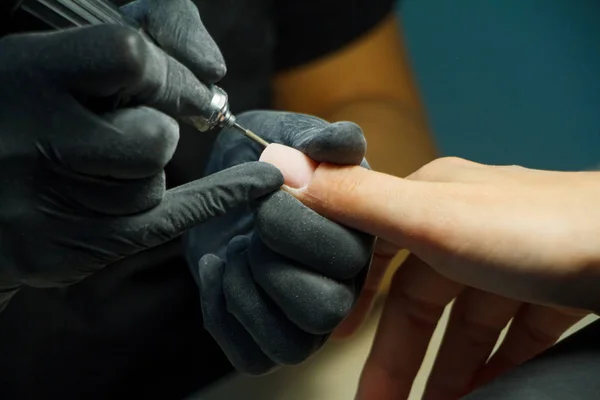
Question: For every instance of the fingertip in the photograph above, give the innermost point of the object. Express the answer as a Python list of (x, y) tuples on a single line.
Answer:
[(350, 131), (215, 71), (139, 143), (248, 181), (237, 244), (210, 270), (340, 143), (208, 69), (269, 169), (269, 178), (296, 167), (354, 321)]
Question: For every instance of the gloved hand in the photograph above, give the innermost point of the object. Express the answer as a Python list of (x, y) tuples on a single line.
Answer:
[(176, 26), (82, 182), (277, 279)]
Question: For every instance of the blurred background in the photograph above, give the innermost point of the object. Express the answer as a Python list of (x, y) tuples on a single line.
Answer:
[(504, 82), (510, 82)]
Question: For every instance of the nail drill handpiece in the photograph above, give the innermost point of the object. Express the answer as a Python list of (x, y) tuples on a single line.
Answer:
[(62, 14)]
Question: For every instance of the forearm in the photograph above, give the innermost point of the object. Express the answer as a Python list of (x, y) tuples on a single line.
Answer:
[(398, 141)]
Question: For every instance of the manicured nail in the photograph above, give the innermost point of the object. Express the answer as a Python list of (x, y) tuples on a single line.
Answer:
[(297, 168)]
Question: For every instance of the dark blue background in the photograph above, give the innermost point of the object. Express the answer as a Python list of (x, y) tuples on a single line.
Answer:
[(510, 82)]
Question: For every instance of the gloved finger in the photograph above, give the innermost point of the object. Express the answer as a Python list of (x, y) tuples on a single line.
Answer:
[(276, 335), (383, 255), (106, 61), (214, 235), (177, 28), (125, 144), (291, 229), (337, 143), (315, 303), (87, 195), (239, 347), (189, 205), (116, 167)]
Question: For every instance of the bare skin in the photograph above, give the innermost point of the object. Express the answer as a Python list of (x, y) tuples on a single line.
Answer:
[(523, 243)]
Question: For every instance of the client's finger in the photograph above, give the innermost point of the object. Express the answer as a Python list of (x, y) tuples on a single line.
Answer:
[(417, 299), (403, 212), (382, 257), (455, 169), (476, 321), (534, 329)]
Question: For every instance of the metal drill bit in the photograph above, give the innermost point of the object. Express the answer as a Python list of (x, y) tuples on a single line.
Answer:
[(251, 135)]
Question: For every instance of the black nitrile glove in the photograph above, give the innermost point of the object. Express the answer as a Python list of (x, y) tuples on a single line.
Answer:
[(81, 181), (275, 281), (176, 26)]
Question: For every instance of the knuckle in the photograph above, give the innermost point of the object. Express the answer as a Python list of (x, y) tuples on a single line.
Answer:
[(515, 168), (132, 48), (132, 196), (539, 336), (346, 182), (161, 135), (420, 312), (448, 160), (438, 167), (478, 333)]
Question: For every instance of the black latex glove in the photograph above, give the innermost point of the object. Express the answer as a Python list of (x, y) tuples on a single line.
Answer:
[(82, 182), (275, 282), (176, 26)]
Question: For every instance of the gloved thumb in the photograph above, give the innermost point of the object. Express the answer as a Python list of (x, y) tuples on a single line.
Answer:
[(189, 205)]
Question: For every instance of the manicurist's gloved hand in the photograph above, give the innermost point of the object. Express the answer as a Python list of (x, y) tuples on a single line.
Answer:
[(277, 278), (86, 130), (177, 28)]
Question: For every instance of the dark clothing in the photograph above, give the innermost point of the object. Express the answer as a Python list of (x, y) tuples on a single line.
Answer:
[(134, 330), (568, 371)]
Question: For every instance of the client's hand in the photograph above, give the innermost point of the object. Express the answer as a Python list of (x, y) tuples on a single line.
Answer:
[(502, 242)]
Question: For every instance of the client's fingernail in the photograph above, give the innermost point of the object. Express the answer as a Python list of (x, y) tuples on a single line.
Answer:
[(297, 168)]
